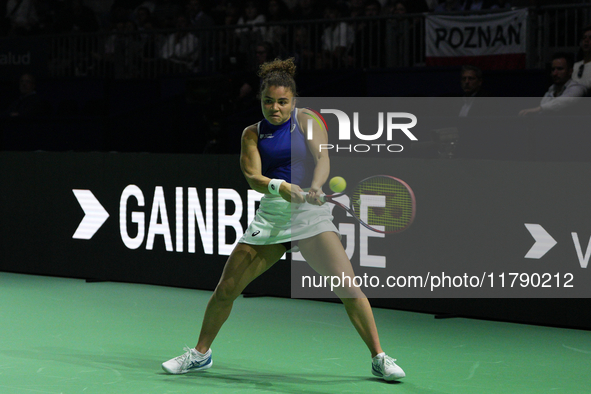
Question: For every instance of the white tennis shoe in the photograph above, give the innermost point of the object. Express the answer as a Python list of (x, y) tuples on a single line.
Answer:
[(190, 361), (384, 367)]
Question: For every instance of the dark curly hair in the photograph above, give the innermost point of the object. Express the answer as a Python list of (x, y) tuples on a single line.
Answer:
[(278, 73)]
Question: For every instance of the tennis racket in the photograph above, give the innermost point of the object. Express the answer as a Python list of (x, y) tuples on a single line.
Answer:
[(380, 203)]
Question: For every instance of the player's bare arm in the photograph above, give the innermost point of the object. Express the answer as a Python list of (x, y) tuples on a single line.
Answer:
[(250, 163)]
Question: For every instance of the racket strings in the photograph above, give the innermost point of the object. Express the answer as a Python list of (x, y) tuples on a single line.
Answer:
[(389, 203)]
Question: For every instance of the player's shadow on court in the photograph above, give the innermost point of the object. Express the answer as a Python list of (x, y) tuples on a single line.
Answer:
[(277, 382), (139, 366)]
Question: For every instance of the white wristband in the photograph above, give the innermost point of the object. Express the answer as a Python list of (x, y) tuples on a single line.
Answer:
[(274, 186)]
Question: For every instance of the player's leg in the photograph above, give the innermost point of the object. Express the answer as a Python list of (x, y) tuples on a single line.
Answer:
[(325, 254), (245, 264)]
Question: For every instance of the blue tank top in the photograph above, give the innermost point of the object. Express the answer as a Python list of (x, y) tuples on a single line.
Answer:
[(284, 152)]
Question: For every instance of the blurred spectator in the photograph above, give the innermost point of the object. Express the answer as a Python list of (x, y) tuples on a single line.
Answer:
[(111, 43), (431, 4), (181, 47), (75, 17), (497, 4), (134, 50), (143, 19), (165, 13), (477, 5), (471, 82), (148, 42), (582, 68), (394, 8), (4, 21), (113, 49), (417, 6), (231, 13), (356, 8), (467, 5), (124, 50), (127, 4), (227, 39), (197, 16), (217, 9), (252, 14), (200, 19), (277, 11), (101, 9), (149, 4), (369, 38), (98, 6), (564, 93), (303, 51), (28, 104), (306, 10), (244, 88), (119, 13), (22, 16), (401, 7), (372, 8), (336, 39), (46, 12), (291, 4), (250, 82), (403, 34), (449, 6), (474, 5)]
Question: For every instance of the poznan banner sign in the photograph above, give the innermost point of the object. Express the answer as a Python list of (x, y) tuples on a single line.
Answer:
[(490, 41)]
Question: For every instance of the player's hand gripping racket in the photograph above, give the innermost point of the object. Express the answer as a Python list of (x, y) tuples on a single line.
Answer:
[(380, 203)]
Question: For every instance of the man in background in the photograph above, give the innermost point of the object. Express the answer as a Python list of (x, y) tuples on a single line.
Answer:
[(471, 82), (28, 104), (564, 92), (582, 68)]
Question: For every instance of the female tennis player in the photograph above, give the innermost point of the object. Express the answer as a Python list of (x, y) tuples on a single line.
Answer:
[(278, 160)]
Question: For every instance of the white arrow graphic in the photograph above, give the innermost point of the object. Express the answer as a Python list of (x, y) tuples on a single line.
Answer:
[(544, 241), (94, 214)]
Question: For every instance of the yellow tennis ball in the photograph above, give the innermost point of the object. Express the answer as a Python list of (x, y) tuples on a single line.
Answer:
[(337, 184)]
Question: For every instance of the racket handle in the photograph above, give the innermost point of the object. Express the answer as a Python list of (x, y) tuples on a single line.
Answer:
[(322, 196)]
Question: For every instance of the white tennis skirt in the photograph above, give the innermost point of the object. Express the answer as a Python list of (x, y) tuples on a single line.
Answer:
[(278, 221)]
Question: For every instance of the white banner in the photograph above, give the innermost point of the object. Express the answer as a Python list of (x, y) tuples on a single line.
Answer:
[(476, 35)]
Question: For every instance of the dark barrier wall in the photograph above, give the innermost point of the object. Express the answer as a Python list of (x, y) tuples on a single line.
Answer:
[(40, 214), (171, 220)]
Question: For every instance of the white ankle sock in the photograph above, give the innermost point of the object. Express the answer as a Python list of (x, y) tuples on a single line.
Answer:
[(201, 354), (380, 355)]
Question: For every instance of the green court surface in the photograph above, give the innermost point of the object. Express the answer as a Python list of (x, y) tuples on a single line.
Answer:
[(68, 336)]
